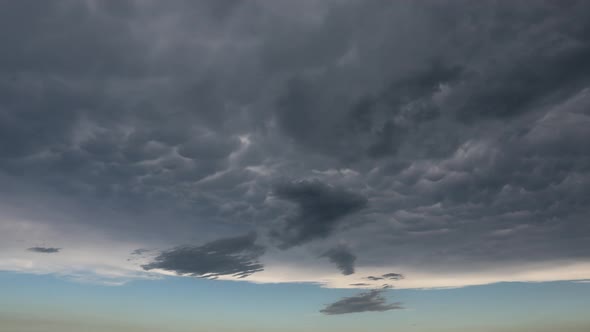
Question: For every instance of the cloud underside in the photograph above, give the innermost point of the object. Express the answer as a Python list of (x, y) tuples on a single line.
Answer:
[(320, 208), (363, 302), (443, 143), (343, 258)]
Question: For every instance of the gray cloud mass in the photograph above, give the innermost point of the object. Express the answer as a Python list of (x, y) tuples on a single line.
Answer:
[(320, 208), (236, 256)]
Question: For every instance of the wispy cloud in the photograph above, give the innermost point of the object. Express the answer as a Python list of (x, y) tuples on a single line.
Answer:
[(363, 302), (44, 250), (236, 256)]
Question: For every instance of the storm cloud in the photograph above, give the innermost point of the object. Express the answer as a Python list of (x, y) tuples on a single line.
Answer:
[(431, 137), (320, 208), (363, 302)]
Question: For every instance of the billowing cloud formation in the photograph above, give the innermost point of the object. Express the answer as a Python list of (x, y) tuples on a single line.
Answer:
[(44, 250), (237, 256), (343, 258), (320, 207), (436, 139), (369, 301)]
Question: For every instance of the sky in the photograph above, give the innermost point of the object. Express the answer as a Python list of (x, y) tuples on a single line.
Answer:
[(325, 165)]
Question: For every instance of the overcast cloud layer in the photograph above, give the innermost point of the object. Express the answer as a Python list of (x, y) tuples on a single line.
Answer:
[(445, 141)]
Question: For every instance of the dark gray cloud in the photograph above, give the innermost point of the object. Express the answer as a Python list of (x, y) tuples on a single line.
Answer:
[(393, 276), (343, 258), (363, 302), (237, 256), (44, 250), (448, 134), (320, 208)]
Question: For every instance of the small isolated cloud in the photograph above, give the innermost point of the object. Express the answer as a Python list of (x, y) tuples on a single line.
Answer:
[(236, 256), (44, 250), (321, 207), (373, 278), (393, 276), (139, 252), (363, 302), (387, 276), (343, 258)]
